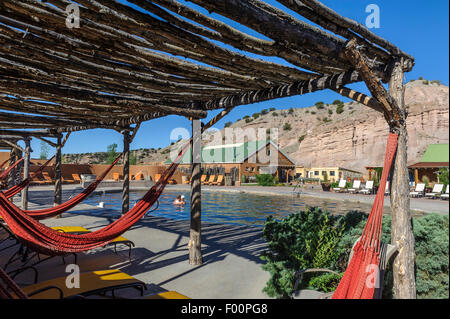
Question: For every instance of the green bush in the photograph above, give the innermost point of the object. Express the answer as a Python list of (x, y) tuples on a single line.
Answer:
[(272, 109), (290, 241), (266, 180), (287, 127), (301, 138), (299, 241), (291, 110), (320, 105), (256, 115), (340, 109), (248, 120), (274, 114), (228, 124)]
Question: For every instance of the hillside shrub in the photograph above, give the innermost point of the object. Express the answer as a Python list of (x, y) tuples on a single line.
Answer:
[(320, 105), (274, 114), (287, 127), (340, 108)]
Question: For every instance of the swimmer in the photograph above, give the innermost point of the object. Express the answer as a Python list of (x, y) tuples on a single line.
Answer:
[(179, 200)]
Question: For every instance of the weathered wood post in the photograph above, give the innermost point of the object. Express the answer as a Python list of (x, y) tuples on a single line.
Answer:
[(402, 233), (26, 172), (195, 241), (58, 164), (126, 172)]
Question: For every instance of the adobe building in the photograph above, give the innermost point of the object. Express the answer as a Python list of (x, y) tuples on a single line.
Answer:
[(435, 157)]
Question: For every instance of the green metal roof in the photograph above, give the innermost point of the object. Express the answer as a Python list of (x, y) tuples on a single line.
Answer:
[(230, 153), (436, 153)]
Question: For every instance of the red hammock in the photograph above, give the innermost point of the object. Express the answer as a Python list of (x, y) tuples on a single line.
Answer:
[(360, 278), (45, 240), (9, 169), (17, 188), (71, 203)]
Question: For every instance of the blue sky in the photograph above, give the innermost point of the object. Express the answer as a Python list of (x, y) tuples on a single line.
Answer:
[(419, 28)]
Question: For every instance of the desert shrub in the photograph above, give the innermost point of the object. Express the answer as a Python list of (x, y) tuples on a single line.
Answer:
[(246, 117), (256, 115), (272, 109), (426, 82), (287, 127), (228, 124), (291, 110), (307, 111), (320, 105), (431, 234), (301, 138), (301, 240), (313, 112), (330, 112), (266, 180), (436, 82), (340, 108), (337, 102), (248, 120), (264, 112), (274, 114)]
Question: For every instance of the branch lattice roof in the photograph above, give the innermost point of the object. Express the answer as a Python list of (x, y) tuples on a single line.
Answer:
[(138, 60)]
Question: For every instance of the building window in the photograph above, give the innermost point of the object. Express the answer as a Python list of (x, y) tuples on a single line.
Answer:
[(324, 173), (332, 173), (316, 173)]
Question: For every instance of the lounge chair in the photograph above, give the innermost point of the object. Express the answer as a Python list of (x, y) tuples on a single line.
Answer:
[(67, 181), (387, 252), (47, 178), (368, 188), (212, 178), (387, 190), (91, 283), (157, 177), (37, 181), (419, 191), (436, 192), (76, 178), (445, 195), (187, 181), (81, 230), (116, 177), (203, 179), (219, 181), (166, 295), (139, 177), (341, 187), (356, 186)]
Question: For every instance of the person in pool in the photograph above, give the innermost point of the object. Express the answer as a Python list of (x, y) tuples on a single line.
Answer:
[(179, 200)]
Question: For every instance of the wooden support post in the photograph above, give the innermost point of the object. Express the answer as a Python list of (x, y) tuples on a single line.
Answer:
[(58, 164), (402, 233), (126, 172), (195, 241), (26, 172)]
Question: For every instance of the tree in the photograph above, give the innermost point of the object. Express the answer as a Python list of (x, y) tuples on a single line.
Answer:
[(111, 151), (133, 159), (44, 150)]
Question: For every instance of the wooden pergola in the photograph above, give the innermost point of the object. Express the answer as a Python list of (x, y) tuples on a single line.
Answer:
[(126, 64)]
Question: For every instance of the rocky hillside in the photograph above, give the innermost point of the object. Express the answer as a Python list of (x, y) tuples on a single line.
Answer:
[(348, 135)]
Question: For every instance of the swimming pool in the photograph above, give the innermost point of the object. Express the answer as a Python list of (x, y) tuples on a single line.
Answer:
[(229, 207)]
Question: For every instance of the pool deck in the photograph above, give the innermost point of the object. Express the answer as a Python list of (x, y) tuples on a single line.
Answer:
[(231, 268)]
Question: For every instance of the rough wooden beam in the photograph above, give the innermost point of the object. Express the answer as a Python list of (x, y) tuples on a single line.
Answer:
[(390, 106), (58, 168), (360, 98), (13, 145), (195, 241), (126, 172), (26, 172), (47, 141), (402, 233)]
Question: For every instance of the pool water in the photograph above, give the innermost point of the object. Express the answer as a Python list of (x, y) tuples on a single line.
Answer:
[(228, 207)]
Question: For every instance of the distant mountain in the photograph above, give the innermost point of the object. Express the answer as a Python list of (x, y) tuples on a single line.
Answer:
[(348, 135)]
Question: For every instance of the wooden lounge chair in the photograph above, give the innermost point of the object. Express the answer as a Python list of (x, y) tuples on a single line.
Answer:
[(166, 295), (116, 177), (81, 230), (131, 176), (368, 188), (419, 191), (157, 177), (356, 186), (203, 179), (436, 192), (341, 186), (67, 181), (139, 177), (219, 181), (91, 283), (386, 253), (76, 178), (211, 179), (37, 181), (445, 195), (188, 180), (47, 178)]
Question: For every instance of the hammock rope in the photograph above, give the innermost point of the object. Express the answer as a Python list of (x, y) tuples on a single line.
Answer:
[(71, 203), (359, 280), (9, 169), (45, 240), (18, 188)]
